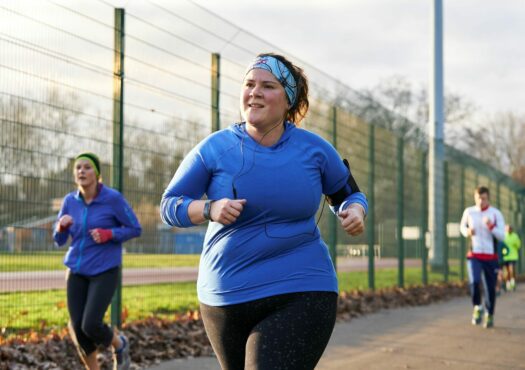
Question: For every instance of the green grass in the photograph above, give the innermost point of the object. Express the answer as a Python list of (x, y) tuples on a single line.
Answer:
[(44, 310), (385, 278), (48, 261)]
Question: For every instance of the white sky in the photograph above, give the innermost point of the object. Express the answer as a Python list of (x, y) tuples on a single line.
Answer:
[(362, 42)]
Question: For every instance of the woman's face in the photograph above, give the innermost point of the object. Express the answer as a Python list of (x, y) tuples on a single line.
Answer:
[(85, 174), (263, 99)]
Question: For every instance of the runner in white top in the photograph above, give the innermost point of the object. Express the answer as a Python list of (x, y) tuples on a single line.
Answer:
[(485, 225)]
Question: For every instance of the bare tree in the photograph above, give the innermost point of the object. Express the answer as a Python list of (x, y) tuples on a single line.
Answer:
[(34, 151), (499, 142), (396, 105)]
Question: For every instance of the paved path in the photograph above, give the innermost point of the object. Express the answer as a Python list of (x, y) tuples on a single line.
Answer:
[(439, 336), (45, 280)]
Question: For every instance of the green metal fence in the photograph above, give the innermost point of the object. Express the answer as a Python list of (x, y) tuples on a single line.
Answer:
[(141, 88)]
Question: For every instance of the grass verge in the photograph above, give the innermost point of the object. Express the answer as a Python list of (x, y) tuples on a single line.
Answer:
[(45, 310)]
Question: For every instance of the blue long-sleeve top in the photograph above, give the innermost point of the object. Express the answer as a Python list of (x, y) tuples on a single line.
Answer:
[(274, 247), (108, 210)]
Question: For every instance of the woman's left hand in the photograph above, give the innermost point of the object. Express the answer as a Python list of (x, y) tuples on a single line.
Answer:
[(353, 219)]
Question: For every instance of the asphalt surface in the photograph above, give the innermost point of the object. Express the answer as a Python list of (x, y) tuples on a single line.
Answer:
[(45, 280), (438, 336)]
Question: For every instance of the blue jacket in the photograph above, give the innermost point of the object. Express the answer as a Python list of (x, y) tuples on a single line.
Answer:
[(109, 210), (274, 247)]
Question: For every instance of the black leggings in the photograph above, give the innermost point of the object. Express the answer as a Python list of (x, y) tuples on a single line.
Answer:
[(284, 332), (88, 298)]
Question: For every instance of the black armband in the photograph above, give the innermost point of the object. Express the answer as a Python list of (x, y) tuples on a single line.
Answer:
[(339, 196)]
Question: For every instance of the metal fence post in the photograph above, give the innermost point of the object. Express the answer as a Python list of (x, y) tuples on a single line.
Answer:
[(462, 240), (436, 145), (424, 218), (118, 141), (522, 215), (370, 225), (498, 189), (446, 243), (400, 205), (332, 220), (215, 91)]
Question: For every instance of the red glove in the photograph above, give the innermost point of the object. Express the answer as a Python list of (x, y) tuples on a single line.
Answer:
[(101, 235), (489, 223), (64, 223)]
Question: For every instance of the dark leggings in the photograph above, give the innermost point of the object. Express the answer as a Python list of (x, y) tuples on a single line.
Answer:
[(284, 332), (486, 273), (88, 298)]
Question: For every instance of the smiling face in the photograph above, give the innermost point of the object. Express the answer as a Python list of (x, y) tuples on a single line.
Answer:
[(263, 99), (85, 175)]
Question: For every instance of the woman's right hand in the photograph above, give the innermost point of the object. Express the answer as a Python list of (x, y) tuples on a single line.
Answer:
[(64, 223), (226, 211), (353, 219)]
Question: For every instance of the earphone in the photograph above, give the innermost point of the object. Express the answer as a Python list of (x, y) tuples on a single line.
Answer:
[(240, 173)]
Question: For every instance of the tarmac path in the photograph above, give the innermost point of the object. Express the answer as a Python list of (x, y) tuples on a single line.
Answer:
[(46, 280), (438, 336)]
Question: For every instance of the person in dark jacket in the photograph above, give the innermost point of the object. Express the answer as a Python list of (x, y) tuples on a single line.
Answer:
[(99, 220)]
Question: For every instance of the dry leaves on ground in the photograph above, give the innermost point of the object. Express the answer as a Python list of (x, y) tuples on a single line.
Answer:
[(154, 340)]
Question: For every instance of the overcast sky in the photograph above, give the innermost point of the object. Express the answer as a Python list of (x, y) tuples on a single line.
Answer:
[(363, 42)]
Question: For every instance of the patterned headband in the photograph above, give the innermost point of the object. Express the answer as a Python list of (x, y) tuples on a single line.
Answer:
[(281, 73)]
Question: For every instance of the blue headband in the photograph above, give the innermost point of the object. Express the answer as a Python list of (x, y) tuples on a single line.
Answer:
[(281, 73)]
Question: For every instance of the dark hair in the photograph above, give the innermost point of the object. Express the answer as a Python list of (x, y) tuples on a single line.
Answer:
[(298, 111), (482, 190)]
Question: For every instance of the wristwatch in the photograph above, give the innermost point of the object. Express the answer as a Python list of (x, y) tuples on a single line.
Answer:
[(207, 209)]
